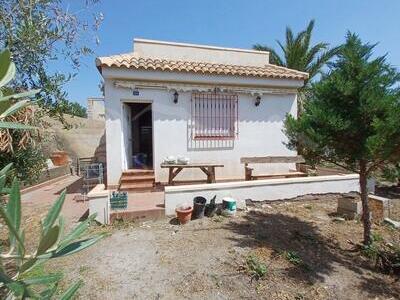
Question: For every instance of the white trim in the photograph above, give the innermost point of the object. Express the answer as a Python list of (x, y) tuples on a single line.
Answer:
[(239, 184), (200, 78), (182, 87)]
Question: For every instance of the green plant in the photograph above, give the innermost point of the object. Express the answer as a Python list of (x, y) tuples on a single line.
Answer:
[(256, 268), (299, 54), (11, 103), (371, 251), (292, 257), (17, 134), (17, 271), (391, 172), (40, 33), (28, 162), (72, 108), (352, 117), (376, 237)]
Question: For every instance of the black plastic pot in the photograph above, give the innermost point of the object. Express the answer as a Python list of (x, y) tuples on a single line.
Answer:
[(211, 208), (199, 204)]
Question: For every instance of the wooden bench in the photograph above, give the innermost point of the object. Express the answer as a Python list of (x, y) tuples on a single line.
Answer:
[(298, 160), (175, 169)]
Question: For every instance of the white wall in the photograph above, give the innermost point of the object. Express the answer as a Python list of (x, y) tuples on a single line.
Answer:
[(201, 53), (260, 133), (95, 109), (260, 190)]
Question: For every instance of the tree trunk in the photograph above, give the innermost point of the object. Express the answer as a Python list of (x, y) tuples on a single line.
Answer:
[(364, 200)]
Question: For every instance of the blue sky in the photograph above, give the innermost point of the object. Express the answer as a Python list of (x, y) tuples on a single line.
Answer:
[(235, 23)]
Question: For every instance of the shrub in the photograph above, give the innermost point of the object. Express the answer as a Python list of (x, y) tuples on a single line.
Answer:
[(385, 256), (257, 269), (18, 271), (28, 163), (292, 257)]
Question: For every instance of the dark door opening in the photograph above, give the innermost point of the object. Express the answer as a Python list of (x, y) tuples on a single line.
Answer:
[(142, 135)]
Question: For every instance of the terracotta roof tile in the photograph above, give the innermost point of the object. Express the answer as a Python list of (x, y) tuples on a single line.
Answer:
[(133, 61)]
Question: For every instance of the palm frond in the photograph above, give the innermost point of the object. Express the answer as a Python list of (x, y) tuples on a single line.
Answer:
[(316, 66), (274, 57), (309, 30), (299, 53), (312, 54)]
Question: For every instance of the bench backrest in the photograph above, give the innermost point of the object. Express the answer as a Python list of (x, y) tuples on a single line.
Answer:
[(272, 159)]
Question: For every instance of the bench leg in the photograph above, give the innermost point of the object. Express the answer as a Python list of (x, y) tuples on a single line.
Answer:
[(172, 174), (211, 175), (170, 177), (247, 172), (210, 172)]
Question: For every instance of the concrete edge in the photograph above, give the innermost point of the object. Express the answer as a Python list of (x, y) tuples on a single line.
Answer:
[(254, 183), (44, 183)]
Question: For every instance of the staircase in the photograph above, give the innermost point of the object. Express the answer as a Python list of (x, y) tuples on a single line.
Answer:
[(137, 180)]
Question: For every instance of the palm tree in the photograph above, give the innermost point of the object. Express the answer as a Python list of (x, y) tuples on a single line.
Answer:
[(299, 54)]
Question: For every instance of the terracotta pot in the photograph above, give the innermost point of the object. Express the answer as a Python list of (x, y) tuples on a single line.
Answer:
[(184, 214), (59, 158)]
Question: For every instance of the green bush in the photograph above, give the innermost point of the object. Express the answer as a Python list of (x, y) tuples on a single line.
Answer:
[(292, 257), (28, 163), (256, 268)]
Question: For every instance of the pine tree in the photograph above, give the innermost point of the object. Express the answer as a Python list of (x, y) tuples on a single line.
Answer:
[(353, 117)]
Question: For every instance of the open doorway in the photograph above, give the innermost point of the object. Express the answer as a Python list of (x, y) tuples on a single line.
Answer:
[(141, 136)]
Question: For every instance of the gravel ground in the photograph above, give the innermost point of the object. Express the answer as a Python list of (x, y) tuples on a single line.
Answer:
[(206, 259)]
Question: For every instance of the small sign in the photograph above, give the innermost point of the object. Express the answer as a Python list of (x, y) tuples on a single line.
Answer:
[(135, 92)]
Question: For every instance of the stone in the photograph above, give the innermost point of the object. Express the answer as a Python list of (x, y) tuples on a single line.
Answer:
[(339, 219), (266, 206), (379, 207), (349, 207), (350, 204), (393, 223), (241, 204)]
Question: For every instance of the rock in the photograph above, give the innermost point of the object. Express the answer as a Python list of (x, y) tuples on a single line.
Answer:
[(394, 223), (241, 204), (266, 206), (339, 219)]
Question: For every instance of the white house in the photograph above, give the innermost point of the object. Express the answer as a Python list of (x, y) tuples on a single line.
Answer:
[(210, 104)]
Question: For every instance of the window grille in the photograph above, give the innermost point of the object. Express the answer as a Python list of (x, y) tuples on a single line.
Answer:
[(214, 115)]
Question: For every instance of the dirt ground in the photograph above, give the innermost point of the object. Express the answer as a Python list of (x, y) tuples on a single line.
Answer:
[(207, 258)]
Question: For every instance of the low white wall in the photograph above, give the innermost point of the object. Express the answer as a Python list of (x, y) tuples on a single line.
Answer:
[(259, 190), (99, 203)]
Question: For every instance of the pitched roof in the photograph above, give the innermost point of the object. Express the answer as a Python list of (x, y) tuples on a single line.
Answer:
[(134, 61)]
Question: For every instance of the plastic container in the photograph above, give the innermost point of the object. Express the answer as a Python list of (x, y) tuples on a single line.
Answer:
[(228, 206), (199, 205), (119, 200)]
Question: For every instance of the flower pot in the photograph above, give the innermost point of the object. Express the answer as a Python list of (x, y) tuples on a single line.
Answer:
[(199, 205), (59, 158), (184, 213)]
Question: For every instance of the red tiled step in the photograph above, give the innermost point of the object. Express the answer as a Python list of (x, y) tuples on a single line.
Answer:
[(136, 186), (137, 172), (135, 178)]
